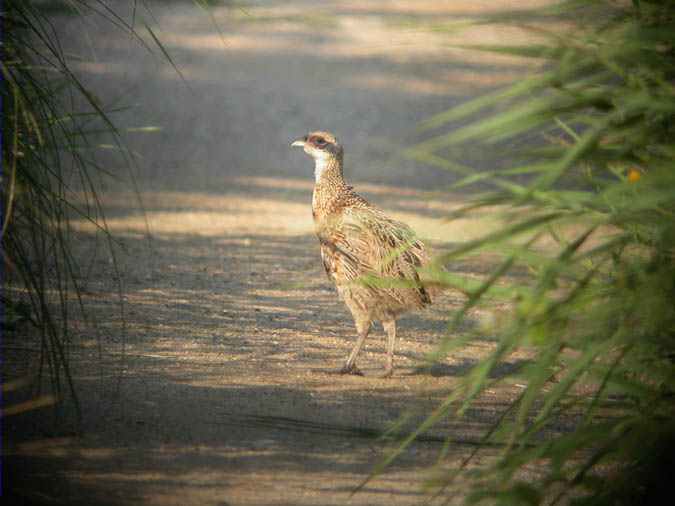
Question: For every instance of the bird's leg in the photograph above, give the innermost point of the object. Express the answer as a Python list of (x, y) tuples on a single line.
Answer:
[(390, 328), (363, 328)]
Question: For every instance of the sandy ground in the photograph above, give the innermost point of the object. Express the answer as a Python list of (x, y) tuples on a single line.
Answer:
[(212, 383)]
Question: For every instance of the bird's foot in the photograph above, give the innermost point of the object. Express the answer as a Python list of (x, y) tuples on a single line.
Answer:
[(388, 372), (350, 369)]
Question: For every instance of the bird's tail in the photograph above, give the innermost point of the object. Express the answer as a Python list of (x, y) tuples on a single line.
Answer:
[(433, 278)]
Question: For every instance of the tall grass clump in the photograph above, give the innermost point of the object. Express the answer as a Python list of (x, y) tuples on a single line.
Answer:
[(53, 131), (590, 213)]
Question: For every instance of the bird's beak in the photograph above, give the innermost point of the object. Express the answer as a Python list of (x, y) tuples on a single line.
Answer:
[(299, 143)]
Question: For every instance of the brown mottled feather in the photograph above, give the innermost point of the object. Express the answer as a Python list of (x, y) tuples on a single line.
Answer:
[(360, 242), (373, 259)]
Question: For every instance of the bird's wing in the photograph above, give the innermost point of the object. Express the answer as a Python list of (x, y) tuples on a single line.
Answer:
[(363, 241), (338, 256), (396, 254)]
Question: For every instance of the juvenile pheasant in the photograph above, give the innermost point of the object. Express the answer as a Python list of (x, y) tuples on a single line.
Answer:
[(372, 258)]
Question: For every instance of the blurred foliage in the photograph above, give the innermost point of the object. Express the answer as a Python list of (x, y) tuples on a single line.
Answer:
[(37, 183), (54, 132), (589, 212)]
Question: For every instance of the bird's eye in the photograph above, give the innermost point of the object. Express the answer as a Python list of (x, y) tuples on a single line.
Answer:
[(320, 141)]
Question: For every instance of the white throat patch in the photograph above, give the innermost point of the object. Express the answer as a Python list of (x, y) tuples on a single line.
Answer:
[(321, 164)]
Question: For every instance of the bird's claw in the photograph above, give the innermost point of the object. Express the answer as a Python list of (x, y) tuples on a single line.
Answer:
[(388, 372), (350, 369)]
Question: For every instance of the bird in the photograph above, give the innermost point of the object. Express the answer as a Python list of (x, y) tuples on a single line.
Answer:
[(372, 259)]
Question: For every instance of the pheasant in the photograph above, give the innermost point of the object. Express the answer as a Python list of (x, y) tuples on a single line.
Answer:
[(372, 258)]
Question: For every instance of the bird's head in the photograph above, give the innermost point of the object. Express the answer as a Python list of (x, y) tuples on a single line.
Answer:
[(322, 146)]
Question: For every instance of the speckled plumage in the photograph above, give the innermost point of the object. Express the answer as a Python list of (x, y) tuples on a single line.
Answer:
[(372, 258)]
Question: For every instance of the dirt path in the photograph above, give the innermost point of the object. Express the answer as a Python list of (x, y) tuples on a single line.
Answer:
[(218, 387), (215, 385)]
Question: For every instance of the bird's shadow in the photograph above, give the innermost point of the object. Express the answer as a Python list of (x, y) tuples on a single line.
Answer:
[(462, 368)]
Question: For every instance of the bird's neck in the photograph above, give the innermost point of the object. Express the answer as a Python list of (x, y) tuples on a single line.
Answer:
[(329, 185), (328, 170)]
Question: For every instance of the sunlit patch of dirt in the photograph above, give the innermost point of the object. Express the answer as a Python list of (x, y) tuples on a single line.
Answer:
[(220, 217), (206, 362), (399, 33), (453, 81)]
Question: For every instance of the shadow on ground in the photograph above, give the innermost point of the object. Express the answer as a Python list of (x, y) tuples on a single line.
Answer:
[(209, 379), (216, 373)]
